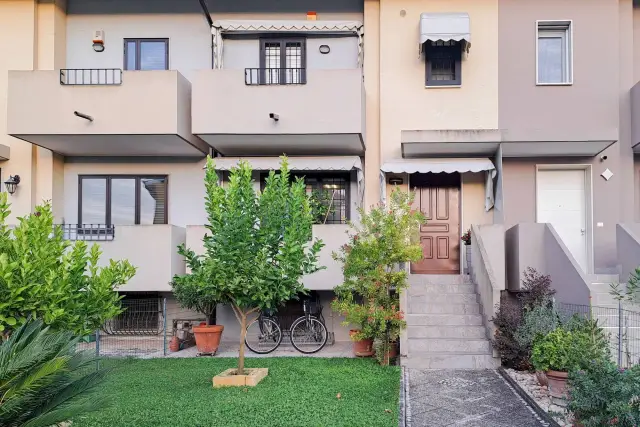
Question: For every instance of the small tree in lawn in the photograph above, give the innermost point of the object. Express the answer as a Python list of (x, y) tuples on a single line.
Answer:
[(259, 245), (44, 276)]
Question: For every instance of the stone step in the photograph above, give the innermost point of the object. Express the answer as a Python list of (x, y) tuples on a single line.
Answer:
[(446, 332), (600, 287), (603, 278), (467, 298), (444, 320), (443, 308), (449, 345), (419, 290), (439, 279), (450, 361)]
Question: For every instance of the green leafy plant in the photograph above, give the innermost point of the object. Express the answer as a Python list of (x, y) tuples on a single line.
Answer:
[(369, 296), (538, 321), (44, 276), (322, 205), (603, 395), (258, 246), (629, 293), (43, 380)]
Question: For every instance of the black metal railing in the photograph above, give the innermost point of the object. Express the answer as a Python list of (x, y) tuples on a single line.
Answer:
[(275, 76), (90, 76), (102, 232), (141, 316)]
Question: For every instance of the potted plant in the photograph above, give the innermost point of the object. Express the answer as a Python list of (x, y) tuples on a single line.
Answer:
[(193, 292), (259, 247), (369, 296), (466, 241)]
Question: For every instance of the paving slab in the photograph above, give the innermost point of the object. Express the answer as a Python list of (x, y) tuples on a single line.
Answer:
[(470, 398)]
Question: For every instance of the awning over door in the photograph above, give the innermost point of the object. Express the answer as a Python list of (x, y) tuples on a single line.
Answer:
[(329, 163), (445, 27), (446, 166)]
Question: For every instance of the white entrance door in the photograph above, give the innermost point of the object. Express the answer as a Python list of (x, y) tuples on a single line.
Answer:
[(562, 203)]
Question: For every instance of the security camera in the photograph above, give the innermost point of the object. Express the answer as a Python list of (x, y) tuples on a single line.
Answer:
[(274, 116), (603, 158)]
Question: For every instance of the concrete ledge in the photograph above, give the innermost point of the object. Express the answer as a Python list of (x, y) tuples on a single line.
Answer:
[(229, 378)]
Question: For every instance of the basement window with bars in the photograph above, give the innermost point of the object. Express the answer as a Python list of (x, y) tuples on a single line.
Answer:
[(443, 63), (122, 200), (330, 194)]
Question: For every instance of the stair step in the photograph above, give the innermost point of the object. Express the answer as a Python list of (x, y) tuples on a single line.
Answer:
[(466, 298), (443, 308), (444, 319), (603, 278), (439, 279), (450, 361), (417, 290), (600, 287), (449, 345), (446, 332)]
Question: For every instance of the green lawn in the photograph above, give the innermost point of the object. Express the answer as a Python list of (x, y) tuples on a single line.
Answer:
[(297, 392)]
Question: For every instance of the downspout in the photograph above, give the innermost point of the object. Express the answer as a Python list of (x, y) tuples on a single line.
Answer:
[(207, 16)]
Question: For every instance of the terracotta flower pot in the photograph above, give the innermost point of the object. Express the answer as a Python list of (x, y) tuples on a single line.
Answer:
[(208, 338), (174, 344), (542, 378), (362, 348), (557, 384)]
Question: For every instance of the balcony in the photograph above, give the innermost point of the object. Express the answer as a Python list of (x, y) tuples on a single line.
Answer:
[(152, 249), (260, 112), (106, 112)]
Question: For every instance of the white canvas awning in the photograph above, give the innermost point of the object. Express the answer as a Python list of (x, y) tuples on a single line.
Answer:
[(446, 166), (328, 163), (291, 26), (445, 27)]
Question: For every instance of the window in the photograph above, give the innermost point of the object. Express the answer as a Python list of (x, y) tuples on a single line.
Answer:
[(330, 193), (554, 52), (282, 61), (146, 54), (442, 62), (122, 200)]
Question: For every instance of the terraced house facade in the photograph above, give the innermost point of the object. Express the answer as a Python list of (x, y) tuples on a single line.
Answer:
[(511, 118)]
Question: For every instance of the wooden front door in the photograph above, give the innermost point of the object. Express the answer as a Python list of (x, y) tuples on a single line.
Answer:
[(438, 197)]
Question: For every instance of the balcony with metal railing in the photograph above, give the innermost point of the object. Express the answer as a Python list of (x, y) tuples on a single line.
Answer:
[(270, 111), (103, 112)]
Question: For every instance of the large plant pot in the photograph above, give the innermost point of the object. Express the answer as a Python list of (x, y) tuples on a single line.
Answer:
[(467, 257), (361, 348), (558, 386), (208, 338)]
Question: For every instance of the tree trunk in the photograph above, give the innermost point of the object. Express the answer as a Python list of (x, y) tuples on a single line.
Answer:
[(243, 334), (209, 319)]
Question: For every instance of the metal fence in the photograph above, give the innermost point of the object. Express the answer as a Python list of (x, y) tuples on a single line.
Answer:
[(621, 325)]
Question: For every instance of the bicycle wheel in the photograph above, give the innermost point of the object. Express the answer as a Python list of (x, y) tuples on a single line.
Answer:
[(308, 335), (263, 336)]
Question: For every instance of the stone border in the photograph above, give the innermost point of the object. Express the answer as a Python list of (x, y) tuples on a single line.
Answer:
[(540, 413), (405, 402)]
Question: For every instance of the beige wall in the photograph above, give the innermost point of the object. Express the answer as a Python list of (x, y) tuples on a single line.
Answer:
[(371, 66), (636, 44), (405, 103)]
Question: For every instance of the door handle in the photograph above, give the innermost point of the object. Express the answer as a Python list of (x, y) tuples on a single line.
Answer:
[(582, 231)]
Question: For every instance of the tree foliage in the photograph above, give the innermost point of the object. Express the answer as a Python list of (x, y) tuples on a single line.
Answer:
[(258, 246), (44, 276), (43, 380)]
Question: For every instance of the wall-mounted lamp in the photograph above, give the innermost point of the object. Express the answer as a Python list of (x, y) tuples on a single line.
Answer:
[(396, 181), (98, 41), (12, 183), (324, 49)]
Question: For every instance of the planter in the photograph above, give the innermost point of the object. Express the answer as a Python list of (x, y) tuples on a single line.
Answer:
[(362, 348), (558, 387), (174, 344), (467, 249), (208, 338), (542, 379), (229, 378)]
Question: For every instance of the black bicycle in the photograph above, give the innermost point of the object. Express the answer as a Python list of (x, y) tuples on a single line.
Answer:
[(308, 333)]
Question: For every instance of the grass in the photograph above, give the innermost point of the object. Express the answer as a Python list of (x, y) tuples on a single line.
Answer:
[(297, 392)]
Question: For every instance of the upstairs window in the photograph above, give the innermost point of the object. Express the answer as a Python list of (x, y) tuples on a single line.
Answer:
[(554, 54), (282, 61), (146, 54), (443, 63)]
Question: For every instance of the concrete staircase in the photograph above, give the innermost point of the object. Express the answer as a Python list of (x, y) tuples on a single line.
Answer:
[(600, 288), (444, 325)]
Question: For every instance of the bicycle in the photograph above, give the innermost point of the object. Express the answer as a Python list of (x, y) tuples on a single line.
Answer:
[(308, 333)]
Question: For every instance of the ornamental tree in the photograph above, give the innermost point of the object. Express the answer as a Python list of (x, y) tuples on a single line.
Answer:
[(44, 276), (259, 244)]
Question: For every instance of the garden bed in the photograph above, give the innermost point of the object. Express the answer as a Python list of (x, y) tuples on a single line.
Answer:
[(297, 392)]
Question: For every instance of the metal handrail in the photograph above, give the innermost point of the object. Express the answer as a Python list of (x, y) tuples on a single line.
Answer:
[(275, 76), (99, 232), (91, 76)]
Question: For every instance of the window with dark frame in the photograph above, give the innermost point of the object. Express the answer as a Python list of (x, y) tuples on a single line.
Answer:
[(146, 54), (443, 63), (282, 61), (332, 190), (122, 199)]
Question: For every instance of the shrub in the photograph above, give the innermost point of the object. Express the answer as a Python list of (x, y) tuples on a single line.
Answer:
[(44, 276), (538, 321), (603, 395), (43, 380), (536, 289), (507, 321)]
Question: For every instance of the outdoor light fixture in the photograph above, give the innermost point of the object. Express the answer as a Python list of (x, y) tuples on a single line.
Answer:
[(12, 183), (324, 49), (98, 47), (396, 181), (274, 116)]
